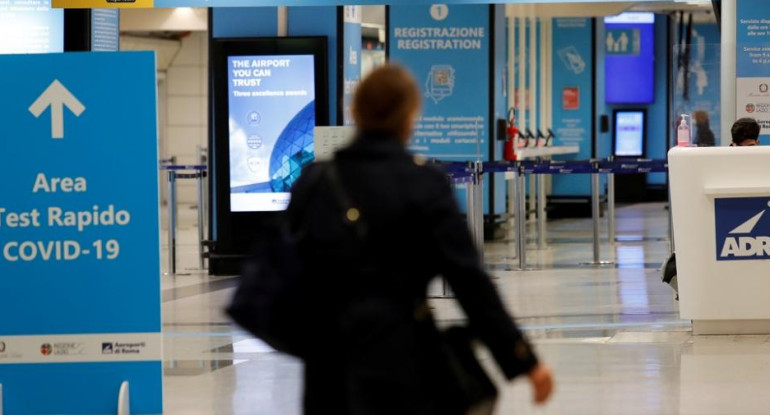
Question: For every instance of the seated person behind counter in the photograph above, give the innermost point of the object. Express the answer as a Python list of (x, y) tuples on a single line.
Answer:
[(745, 133)]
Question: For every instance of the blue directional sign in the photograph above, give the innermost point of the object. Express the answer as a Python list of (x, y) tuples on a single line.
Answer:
[(79, 234)]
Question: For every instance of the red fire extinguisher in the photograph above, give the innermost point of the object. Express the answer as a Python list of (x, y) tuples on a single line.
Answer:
[(509, 151)]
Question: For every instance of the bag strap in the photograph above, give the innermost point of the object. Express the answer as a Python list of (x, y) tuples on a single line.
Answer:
[(351, 214)]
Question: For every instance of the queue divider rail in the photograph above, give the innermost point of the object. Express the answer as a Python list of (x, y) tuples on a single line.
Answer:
[(594, 167), (176, 172)]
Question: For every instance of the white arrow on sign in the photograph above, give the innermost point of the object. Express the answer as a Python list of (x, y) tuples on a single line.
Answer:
[(56, 96)]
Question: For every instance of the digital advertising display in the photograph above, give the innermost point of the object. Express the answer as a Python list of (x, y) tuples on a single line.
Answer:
[(30, 27), (629, 133), (271, 105)]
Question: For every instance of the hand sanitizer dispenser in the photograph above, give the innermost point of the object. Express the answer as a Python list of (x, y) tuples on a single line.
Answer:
[(684, 132)]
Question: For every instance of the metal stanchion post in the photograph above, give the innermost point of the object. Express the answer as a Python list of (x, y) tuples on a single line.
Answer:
[(611, 207), (201, 176), (203, 161), (172, 222), (470, 206), (521, 219), (541, 212), (532, 208), (596, 212), (512, 205), (479, 208)]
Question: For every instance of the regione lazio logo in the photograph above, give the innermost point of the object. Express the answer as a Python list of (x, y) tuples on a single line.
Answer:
[(742, 228), (46, 349)]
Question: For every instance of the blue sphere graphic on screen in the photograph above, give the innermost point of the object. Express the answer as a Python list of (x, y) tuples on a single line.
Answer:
[(293, 150)]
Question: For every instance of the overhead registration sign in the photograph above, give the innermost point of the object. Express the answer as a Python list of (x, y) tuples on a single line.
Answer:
[(73, 4)]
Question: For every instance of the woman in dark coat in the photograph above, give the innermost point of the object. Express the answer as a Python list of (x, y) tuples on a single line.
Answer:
[(376, 350)]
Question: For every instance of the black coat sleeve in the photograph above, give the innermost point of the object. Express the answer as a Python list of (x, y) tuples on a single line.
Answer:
[(458, 261)]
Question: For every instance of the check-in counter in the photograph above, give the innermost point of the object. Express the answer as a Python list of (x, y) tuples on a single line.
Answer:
[(720, 199)]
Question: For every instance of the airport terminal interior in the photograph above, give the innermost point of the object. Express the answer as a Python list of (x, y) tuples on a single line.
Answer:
[(586, 142)]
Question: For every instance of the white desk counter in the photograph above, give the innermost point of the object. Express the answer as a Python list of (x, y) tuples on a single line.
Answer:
[(720, 198)]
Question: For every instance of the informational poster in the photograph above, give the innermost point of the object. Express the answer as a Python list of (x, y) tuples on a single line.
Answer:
[(753, 63), (79, 234), (572, 74), (447, 49), (328, 140), (30, 27), (352, 57), (697, 84), (105, 30), (271, 103)]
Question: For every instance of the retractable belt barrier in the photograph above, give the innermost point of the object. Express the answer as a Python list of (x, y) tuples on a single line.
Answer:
[(199, 173), (470, 173)]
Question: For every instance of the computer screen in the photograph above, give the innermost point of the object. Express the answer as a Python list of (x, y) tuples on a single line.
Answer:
[(271, 104), (629, 133), (30, 27)]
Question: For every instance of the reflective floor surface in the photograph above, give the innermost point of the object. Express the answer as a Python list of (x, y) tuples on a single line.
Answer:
[(612, 334)]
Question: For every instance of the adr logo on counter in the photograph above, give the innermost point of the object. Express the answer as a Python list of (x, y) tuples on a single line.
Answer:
[(742, 228)]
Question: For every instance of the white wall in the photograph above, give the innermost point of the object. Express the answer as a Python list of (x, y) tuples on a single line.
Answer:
[(183, 106), (187, 107)]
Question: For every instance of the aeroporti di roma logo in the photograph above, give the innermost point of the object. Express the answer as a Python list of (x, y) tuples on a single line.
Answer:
[(742, 228)]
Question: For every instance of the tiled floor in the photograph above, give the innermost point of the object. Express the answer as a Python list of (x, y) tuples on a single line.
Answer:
[(612, 334)]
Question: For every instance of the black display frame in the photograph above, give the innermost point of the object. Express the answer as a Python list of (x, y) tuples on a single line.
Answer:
[(615, 113), (234, 233)]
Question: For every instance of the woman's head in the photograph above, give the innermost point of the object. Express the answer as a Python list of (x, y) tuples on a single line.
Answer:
[(387, 102), (701, 117)]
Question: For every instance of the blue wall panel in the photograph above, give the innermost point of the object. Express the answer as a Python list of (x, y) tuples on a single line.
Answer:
[(572, 121), (245, 22)]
